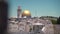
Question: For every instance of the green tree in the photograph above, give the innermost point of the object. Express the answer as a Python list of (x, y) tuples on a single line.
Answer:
[(58, 20), (54, 21)]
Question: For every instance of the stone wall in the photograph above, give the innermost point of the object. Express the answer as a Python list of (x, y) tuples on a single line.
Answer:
[(56, 29), (48, 29)]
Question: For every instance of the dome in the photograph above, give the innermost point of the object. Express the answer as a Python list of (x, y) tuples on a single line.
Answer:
[(26, 13)]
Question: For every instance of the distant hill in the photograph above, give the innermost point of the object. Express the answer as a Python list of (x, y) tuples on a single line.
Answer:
[(49, 17), (52, 18)]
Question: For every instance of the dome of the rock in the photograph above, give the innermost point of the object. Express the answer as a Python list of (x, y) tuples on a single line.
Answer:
[(26, 13)]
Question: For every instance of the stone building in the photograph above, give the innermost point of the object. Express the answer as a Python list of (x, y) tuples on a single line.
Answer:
[(29, 25)]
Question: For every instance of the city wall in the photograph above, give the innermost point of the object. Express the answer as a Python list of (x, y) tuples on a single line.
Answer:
[(56, 29)]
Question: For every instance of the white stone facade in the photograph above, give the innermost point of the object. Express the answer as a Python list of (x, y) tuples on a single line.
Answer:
[(25, 24)]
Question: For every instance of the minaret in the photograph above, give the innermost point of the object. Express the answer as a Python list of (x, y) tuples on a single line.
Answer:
[(19, 12)]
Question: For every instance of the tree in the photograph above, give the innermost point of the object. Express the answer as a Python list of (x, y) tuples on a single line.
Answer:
[(58, 20), (54, 21)]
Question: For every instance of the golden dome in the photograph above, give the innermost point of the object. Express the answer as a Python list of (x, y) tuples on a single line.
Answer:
[(26, 13)]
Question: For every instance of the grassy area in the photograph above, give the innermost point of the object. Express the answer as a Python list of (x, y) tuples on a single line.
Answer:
[(54, 21)]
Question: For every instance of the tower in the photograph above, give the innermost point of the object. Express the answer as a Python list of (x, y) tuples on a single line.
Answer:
[(19, 12)]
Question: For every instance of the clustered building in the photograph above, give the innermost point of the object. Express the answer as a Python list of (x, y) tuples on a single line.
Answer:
[(25, 23)]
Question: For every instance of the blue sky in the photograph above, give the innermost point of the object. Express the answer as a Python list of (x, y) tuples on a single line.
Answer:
[(36, 7)]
